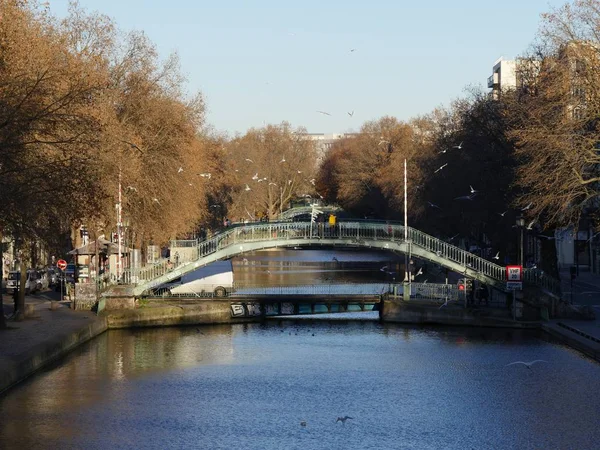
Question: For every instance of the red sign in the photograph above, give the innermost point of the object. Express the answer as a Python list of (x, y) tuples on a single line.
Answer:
[(514, 273), (61, 264)]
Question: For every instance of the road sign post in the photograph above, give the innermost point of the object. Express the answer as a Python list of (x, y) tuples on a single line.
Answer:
[(62, 265)]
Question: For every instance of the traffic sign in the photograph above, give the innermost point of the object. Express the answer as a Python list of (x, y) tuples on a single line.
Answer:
[(61, 264), (514, 273), (514, 285)]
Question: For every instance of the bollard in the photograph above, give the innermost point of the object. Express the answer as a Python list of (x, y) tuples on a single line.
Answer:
[(29, 310)]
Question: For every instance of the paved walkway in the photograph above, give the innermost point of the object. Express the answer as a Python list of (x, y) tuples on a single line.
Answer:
[(27, 345)]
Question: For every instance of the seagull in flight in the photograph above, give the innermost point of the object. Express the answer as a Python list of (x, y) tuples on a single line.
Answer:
[(440, 168), (531, 224), (453, 237), (325, 113), (282, 160), (473, 191), (255, 177), (459, 146), (272, 184), (312, 181), (433, 205), (497, 256), (131, 188), (443, 151), (343, 419), (156, 200), (527, 207), (205, 175), (352, 50), (502, 214), (249, 160), (180, 170), (527, 364), (444, 304), (351, 113), (247, 188), (466, 197), (383, 269), (420, 272)]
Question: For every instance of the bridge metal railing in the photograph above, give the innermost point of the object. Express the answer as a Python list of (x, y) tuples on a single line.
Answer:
[(356, 231)]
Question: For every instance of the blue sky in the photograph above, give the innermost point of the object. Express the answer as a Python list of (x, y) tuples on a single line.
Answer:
[(266, 61)]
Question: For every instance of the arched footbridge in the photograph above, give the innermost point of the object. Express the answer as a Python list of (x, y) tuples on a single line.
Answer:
[(375, 235)]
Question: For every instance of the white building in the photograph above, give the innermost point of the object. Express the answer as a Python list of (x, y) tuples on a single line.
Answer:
[(325, 141), (504, 76)]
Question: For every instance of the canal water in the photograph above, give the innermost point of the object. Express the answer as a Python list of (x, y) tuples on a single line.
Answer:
[(282, 384)]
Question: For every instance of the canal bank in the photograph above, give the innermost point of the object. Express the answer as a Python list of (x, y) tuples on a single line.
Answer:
[(46, 335)]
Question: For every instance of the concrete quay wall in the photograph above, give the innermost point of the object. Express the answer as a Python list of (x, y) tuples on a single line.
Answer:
[(430, 313), (203, 313)]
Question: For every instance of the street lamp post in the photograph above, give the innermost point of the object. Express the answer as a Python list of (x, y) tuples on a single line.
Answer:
[(521, 226)]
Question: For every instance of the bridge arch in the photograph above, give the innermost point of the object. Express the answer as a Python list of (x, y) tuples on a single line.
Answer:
[(375, 235)]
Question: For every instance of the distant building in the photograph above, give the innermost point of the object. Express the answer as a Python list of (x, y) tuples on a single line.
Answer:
[(504, 76), (325, 141)]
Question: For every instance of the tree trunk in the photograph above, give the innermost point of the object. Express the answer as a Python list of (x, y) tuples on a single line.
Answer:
[(2, 319), (21, 300)]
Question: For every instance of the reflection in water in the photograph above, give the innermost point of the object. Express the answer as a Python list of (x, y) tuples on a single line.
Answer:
[(249, 386)]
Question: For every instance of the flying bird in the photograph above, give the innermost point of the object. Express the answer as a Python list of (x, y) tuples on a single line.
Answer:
[(272, 184), (531, 224), (502, 214), (180, 170), (527, 207), (466, 197), (282, 160), (324, 113), (312, 181), (156, 200), (444, 304), (459, 146), (255, 177), (527, 364), (497, 256), (131, 188), (440, 168), (433, 205), (247, 188), (352, 50), (443, 151), (299, 171), (303, 423), (383, 269), (473, 191), (343, 419), (420, 272), (351, 113), (249, 160)]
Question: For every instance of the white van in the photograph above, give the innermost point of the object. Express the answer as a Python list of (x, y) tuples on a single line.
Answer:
[(13, 281), (215, 279)]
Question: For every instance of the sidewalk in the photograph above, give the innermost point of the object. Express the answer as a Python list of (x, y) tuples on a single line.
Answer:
[(33, 343)]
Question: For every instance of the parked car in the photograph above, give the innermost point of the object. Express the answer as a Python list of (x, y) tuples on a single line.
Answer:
[(14, 278), (42, 281), (52, 276)]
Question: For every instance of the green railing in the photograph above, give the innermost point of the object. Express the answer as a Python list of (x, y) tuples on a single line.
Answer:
[(357, 232)]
